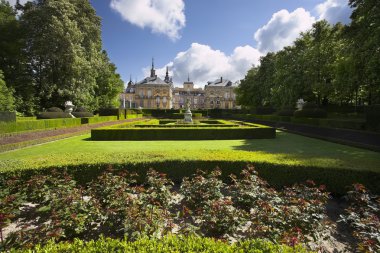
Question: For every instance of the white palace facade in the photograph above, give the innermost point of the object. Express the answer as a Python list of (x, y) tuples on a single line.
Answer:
[(155, 93)]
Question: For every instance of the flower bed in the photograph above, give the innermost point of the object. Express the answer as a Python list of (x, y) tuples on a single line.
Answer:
[(55, 207)]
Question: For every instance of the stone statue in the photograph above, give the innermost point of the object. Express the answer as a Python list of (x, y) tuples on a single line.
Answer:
[(188, 105), (69, 108), (300, 103), (188, 115)]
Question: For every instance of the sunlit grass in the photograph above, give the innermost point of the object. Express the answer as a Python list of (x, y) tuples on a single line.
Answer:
[(286, 149)]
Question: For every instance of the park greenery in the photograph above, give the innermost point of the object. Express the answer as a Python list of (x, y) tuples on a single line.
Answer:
[(51, 52), (55, 208), (328, 64)]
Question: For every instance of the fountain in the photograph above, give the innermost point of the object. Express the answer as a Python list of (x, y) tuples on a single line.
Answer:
[(188, 115)]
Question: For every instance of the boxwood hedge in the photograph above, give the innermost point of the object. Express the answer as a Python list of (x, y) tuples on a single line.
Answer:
[(166, 244), (183, 133), (9, 127)]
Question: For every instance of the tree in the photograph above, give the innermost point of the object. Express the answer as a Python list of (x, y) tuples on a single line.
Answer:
[(109, 84), (6, 96), (63, 49), (365, 34)]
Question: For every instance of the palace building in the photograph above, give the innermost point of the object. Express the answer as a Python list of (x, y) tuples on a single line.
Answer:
[(154, 93), (196, 96)]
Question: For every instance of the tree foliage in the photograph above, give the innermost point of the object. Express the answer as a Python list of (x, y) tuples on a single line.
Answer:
[(58, 56), (328, 64), (6, 96)]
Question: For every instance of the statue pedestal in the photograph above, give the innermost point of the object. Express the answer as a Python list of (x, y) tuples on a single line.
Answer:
[(188, 117)]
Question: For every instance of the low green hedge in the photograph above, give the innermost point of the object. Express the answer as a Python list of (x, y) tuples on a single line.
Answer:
[(82, 114), (186, 125), (310, 113), (9, 127), (373, 117), (207, 133), (166, 244), (94, 120), (26, 118), (53, 115), (7, 116)]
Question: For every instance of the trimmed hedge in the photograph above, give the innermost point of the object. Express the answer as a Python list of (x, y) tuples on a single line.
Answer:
[(94, 120), (265, 110), (286, 112), (82, 114), (373, 117), (26, 118), (310, 113), (167, 244), (188, 133), (53, 115), (8, 116), (54, 109), (37, 125)]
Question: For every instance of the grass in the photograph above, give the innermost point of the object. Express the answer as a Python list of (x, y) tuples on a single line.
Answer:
[(286, 149)]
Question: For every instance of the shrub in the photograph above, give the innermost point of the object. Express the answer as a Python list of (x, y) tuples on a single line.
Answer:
[(81, 109), (264, 110), (167, 244), (82, 114), (38, 124), (188, 133), (26, 118), (54, 109), (115, 205), (119, 113), (8, 116), (363, 216), (53, 115), (310, 113), (373, 117), (197, 115), (286, 112), (94, 120)]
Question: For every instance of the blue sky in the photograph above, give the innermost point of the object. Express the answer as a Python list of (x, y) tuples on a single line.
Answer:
[(204, 38)]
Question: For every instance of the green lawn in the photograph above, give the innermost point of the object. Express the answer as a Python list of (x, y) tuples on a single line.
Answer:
[(286, 149)]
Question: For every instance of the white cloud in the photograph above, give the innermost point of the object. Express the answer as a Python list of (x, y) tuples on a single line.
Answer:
[(13, 2), (206, 64), (334, 11), (161, 16), (283, 29)]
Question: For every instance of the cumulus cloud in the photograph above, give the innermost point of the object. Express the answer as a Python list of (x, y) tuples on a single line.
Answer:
[(13, 2), (204, 64), (161, 16), (334, 11), (282, 29)]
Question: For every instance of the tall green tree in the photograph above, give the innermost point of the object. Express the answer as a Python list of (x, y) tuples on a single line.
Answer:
[(365, 34), (109, 84), (6, 96), (12, 61)]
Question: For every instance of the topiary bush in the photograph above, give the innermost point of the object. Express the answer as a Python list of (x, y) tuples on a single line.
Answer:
[(264, 110), (53, 115), (54, 109), (81, 109), (82, 114)]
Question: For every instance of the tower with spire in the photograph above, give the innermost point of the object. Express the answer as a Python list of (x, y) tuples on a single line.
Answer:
[(167, 78), (152, 70)]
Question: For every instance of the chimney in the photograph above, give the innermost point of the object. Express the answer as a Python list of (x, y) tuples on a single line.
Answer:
[(221, 79)]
